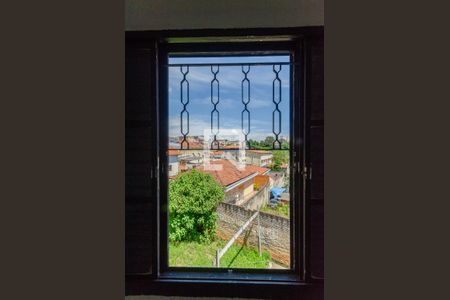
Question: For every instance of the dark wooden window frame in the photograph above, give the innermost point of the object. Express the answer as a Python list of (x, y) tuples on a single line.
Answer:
[(221, 282)]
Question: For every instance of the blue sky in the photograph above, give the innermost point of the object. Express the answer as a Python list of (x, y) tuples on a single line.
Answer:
[(230, 105)]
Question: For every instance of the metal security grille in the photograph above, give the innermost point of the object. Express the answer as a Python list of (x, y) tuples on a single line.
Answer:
[(276, 115), (215, 98), (184, 98), (245, 99)]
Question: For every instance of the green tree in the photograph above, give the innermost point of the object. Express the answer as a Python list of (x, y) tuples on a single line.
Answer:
[(268, 141), (193, 199), (280, 157), (253, 144)]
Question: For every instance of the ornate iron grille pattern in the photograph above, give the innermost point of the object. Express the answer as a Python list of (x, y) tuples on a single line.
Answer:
[(245, 100), (215, 113), (184, 98), (276, 98)]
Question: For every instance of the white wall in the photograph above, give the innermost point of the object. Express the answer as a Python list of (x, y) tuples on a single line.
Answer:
[(194, 14)]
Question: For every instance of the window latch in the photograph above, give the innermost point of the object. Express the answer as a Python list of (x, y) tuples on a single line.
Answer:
[(306, 172)]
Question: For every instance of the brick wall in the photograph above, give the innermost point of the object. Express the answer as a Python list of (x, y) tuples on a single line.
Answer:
[(275, 230)]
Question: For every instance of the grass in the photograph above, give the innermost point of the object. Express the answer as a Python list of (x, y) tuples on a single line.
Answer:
[(281, 210), (191, 254)]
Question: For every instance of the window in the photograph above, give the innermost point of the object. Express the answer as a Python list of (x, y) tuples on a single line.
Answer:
[(177, 115), (227, 211), (240, 102)]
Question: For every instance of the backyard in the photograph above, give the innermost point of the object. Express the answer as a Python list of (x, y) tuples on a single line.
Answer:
[(192, 254), (193, 220), (281, 210)]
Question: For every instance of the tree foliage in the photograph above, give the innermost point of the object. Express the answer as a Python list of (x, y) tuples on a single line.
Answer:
[(280, 157), (193, 199), (267, 143)]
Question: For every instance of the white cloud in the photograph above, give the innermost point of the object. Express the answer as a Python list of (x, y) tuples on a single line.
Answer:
[(230, 91), (229, 77)]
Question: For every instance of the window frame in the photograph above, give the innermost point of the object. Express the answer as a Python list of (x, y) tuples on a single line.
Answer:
[(164, 42), (219, 49)]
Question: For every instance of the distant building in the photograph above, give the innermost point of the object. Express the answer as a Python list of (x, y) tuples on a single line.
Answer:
[(217, 154), (285, 168), (239, 185), (192, 142), (173, 162), (259, 158), (277, 179)]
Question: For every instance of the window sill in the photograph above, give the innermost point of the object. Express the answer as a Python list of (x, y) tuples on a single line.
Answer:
[(222, 287), (232, 276)]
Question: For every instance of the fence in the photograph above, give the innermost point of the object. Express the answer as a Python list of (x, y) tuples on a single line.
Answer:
[(221, 252), (274, 231)]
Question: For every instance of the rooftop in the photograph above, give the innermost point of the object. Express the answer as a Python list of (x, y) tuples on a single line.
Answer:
[(174, 152), (230, 173)]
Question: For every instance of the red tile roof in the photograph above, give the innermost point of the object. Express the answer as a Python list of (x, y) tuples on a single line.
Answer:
[(253, 169), (174, 152), (230, 147), (261, 180), (230, 173), (195, 145)]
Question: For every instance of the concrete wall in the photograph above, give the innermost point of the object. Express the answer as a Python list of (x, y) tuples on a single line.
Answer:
[(189, 14), (239, 193), (260, 199), (275, 230), (277, 181), (247, 188), (173, 169)]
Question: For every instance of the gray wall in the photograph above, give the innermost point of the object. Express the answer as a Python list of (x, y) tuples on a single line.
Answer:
[(192, 14)]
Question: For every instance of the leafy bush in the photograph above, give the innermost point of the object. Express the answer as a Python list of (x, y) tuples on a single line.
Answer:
[(281, 210), (280, 157), (193, 199)]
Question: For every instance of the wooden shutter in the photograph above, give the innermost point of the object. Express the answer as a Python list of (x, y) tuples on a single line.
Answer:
[(140, 157), (315, 130)]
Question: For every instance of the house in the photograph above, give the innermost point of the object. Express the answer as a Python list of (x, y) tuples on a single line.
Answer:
[(217, 154), (194, 142), (239, 185), (277, 179), (259, 158), (173, 162)]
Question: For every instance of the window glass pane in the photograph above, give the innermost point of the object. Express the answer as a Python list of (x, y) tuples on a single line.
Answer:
[(229, 162)]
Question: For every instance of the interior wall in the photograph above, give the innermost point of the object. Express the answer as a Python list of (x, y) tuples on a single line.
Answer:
[(189, 14), (197, 14)]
